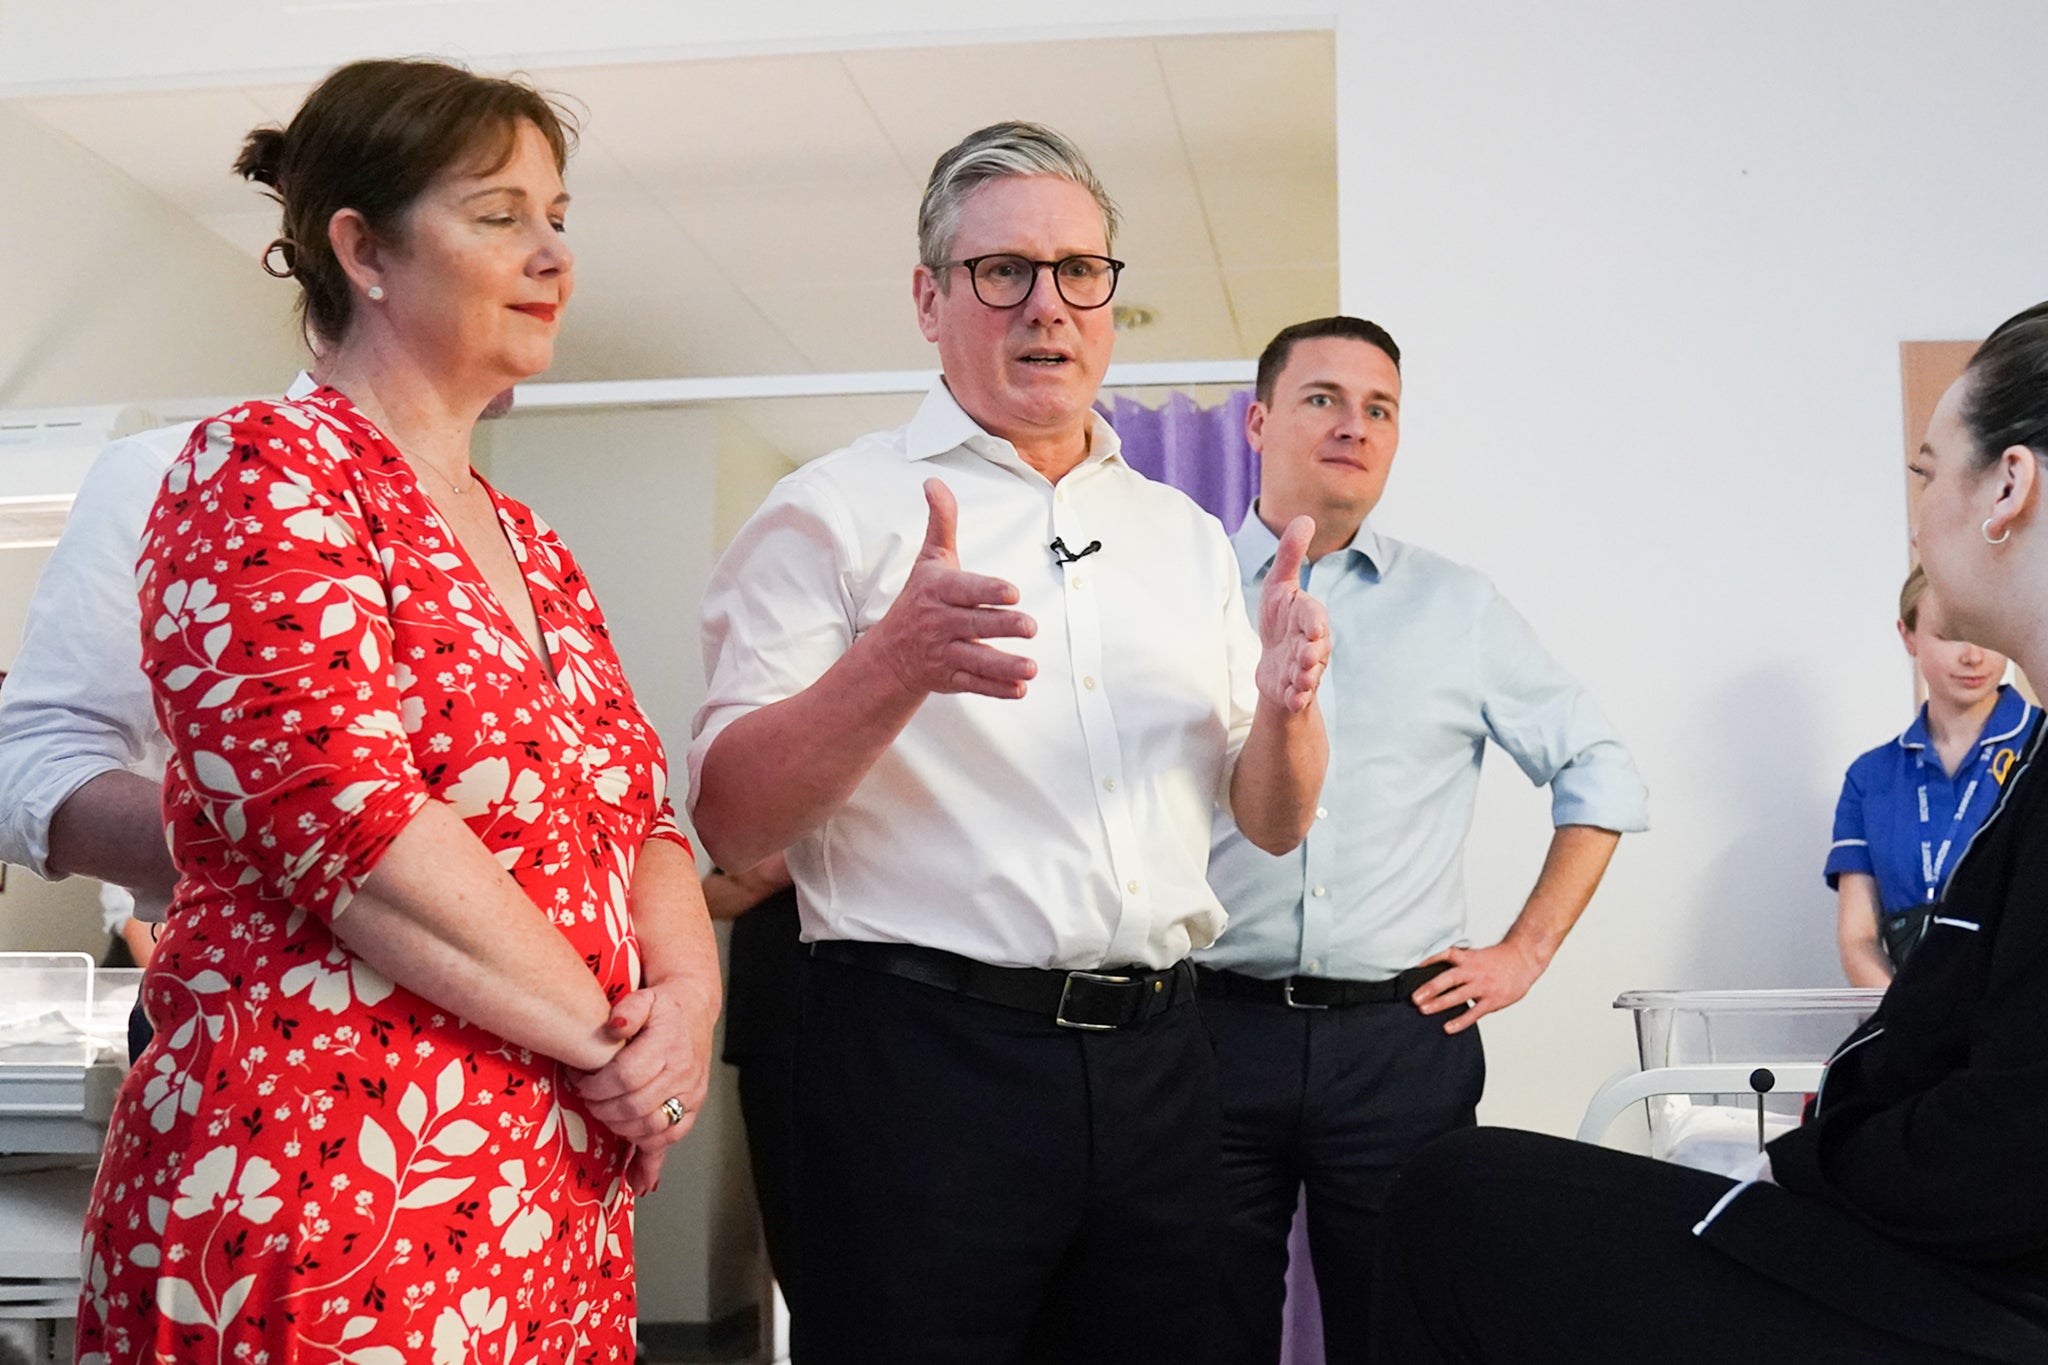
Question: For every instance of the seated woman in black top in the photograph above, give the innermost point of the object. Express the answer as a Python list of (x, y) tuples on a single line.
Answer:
[(1907, 1219)]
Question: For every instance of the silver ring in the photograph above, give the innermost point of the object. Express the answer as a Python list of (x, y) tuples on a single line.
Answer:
[(673, 1107)]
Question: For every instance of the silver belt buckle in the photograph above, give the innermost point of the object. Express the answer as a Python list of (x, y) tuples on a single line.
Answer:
[(1287, 994), (1060, 1015)]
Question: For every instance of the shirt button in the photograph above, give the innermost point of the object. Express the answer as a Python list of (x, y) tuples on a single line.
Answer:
[(1132, 887), (1319, 891), (1089, 682), (1109, 784), (1075, 581), (1322, 812), (1314, 968)]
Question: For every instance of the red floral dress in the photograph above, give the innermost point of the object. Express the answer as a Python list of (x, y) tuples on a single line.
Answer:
[(311, 1162)]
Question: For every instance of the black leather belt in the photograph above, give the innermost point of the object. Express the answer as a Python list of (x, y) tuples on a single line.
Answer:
[(1315, 992), (1111, 998)]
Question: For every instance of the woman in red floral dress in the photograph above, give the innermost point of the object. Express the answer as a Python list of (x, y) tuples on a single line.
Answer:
[(437, 985)]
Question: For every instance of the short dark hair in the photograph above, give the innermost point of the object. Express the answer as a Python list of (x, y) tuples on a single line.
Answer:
[(372, 137), (2006, 403), (1274, 358)]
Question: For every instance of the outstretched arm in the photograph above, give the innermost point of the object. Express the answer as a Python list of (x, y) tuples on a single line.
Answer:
[(776, 773), (1490, 979)]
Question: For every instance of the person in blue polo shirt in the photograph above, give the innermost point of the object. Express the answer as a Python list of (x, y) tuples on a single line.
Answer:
[(1911, 806)]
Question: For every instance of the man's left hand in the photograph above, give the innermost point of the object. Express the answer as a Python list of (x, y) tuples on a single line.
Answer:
[(1293, 627), (1485, 979)]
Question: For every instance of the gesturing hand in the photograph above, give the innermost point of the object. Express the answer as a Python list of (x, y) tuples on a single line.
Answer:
[(932, 634), (1293, 626)]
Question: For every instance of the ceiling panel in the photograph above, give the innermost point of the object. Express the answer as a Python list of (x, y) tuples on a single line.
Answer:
[(1262, 216), (735, 124), (1267, 300), (1255, 96), (630, 245), (179, 144), (849, 327), (778, 232), (1193, 319), (627, 331), (757, 215)]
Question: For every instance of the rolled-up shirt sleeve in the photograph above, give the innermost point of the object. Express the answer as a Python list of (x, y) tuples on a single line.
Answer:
[(1554, 730), (76, 703), (780, 609)]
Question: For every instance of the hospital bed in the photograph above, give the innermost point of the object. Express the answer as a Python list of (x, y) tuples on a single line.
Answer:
[(1721, 1072), (63, 1050)]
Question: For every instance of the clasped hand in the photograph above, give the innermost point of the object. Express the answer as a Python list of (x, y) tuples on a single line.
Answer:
[(667, 1055), (1294, 628), (932, 634)]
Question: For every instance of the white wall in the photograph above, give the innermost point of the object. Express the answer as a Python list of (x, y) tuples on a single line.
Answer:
[(1651, 265)]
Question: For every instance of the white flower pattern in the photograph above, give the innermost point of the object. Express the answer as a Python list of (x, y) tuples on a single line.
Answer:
[(303, 1163)]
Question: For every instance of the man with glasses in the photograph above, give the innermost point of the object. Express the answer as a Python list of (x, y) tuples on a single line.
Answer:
[(1341, 998), (1005, 1114)]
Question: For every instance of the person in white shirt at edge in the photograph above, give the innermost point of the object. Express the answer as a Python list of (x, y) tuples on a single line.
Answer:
[(1005, 1117), (81, 757), (1342, 996)]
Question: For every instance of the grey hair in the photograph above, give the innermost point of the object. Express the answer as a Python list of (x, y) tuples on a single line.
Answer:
[(991, 153)]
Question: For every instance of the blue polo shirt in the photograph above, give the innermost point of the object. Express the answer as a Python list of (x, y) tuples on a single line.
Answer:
[(1905, 822)]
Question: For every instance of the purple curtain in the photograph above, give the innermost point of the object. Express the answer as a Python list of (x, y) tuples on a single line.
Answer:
[(1202, 452)]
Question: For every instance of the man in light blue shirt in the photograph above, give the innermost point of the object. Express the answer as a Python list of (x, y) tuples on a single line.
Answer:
[(1341, 995)]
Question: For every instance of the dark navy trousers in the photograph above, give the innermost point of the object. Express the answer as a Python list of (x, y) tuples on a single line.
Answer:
[(1332, 1102)]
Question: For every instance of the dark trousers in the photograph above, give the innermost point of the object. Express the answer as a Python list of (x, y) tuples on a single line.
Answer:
[(1504, 1246), (977, 1186), (1331, 1102), (765, 1093)]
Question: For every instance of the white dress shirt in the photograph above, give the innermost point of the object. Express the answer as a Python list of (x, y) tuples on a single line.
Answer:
[(76, 703), (1428, 662), (1067, 829)]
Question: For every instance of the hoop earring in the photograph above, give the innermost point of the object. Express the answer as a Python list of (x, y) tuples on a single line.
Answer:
[(287, 253), (1985, 529), (376, 293)]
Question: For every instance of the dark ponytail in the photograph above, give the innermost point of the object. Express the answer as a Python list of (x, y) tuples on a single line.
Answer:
[(2006, 404), (262, 152)]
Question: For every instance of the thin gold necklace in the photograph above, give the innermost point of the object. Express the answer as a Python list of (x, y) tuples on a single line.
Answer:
[(457, 489)]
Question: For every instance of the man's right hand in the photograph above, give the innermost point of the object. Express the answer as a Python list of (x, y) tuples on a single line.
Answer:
[(932, 634)]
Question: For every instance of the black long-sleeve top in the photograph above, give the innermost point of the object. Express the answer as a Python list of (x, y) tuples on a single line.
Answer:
[(1930, 1129)]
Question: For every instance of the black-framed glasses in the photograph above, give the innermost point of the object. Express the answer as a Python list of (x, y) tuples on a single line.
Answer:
[(1005, 280)]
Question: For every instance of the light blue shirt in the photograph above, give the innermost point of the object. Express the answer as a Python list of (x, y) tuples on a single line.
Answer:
[(1427, 663)]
